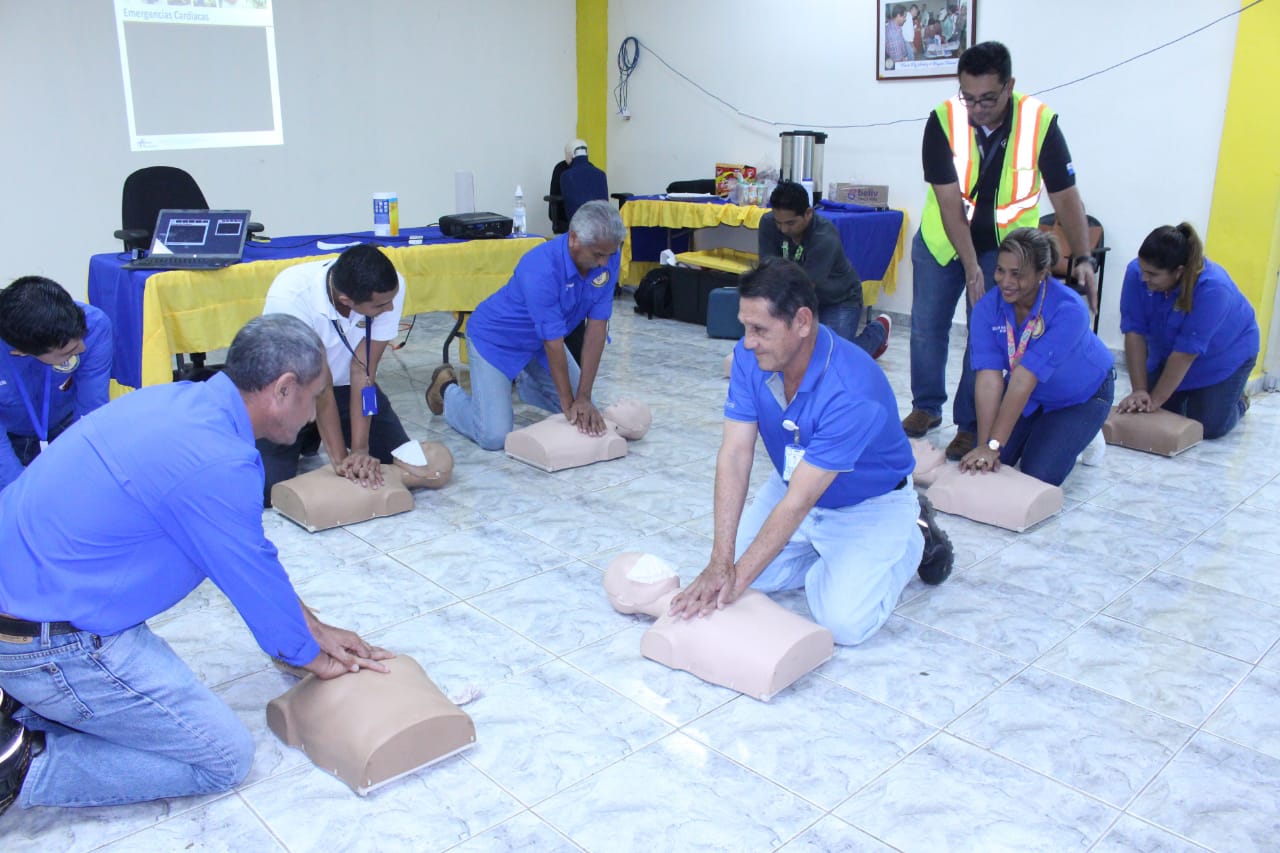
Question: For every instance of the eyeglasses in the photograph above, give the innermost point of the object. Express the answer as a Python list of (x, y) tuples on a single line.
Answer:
[(983, 101)]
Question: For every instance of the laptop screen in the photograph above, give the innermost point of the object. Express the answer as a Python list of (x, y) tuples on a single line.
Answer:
[(200, 233)]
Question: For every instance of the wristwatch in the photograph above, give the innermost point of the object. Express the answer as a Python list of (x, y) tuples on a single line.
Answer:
[(1078, 259), (994, 444)]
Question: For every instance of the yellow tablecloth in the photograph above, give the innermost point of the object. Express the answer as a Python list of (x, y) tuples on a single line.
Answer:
[(654, 213), (199, 311)]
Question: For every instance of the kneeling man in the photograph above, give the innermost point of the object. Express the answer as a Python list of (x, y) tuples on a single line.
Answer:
[(838, 515), (107, 532)]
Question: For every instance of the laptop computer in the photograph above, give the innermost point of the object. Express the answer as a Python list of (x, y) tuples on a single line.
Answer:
[(195, 240)]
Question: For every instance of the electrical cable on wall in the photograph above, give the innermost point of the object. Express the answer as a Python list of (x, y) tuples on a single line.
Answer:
[(633, 59), (628, 58)]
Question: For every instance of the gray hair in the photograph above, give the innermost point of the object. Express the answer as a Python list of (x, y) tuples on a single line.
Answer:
[(269, 347), (598, 222)]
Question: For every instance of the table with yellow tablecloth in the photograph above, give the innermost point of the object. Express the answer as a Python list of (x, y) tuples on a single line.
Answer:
[(157, 315), (872, 239)]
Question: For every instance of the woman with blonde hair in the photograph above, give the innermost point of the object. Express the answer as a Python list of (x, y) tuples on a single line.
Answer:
[(1190, 336), (1044, 381)]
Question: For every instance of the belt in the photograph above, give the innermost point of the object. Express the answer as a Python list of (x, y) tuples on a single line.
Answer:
[(15, 627)]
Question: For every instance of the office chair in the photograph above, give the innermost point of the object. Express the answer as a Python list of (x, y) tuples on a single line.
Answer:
[(152, 189), (1062, 269)]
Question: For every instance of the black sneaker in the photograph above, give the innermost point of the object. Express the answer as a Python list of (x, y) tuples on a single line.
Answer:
[(7, 705), (16, 743), (938, 556)]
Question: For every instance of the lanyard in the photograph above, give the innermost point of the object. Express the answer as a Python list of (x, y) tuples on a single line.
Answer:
[(368, 343), (41, 426), (786, 249), (1033, 324)]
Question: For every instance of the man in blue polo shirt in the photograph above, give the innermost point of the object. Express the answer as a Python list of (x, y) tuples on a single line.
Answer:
[(55, 364), (838, 515), (121, 717), (517, 334)]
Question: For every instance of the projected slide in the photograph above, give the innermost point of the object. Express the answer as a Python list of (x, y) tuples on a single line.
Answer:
[(199, 74)]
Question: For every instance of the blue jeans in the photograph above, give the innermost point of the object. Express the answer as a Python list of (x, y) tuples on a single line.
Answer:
[(1217, 406), (852, 561), (843, 320), (1047, 443), (485, 415), (935, 290), (125, 720)]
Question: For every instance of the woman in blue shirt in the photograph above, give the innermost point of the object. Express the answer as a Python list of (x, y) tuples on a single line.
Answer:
[(1044, 380), (55, 361), (1190, 337)]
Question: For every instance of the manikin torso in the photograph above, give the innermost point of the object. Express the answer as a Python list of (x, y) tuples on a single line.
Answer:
[(554, 444)]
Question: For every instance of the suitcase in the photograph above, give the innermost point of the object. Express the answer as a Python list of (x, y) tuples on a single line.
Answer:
[(722, 314)]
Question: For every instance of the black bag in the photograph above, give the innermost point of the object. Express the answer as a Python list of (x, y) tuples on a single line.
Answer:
[(653, 295)]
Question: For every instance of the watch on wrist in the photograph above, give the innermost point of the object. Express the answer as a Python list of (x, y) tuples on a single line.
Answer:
[(994, 444), (1079, 259)]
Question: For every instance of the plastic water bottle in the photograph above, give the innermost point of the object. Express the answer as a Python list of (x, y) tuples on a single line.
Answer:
[(517, 215)]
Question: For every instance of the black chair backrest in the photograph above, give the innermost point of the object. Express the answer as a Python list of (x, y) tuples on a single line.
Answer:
[(150, 190), (702, 185)]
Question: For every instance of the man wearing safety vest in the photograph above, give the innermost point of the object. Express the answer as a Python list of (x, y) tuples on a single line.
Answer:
[(985, 153)]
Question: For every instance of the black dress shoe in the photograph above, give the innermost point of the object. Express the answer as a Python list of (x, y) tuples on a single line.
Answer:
[(7, 705), (939, 555), (16, 744)]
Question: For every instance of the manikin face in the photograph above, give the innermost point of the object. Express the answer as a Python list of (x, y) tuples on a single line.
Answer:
[(985, 97), (60, 355), (1018, 280), (792, 225), (590, 256), (294, 406), (774, 342), (1158, 280)]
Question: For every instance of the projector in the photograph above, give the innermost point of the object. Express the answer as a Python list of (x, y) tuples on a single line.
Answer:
[(478, 225)]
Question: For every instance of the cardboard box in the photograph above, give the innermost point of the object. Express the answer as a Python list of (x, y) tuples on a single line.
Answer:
[(871, 195), (728, 175)]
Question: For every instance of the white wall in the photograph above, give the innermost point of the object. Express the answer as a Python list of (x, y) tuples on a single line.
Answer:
[(387, 95), (1143, 137)]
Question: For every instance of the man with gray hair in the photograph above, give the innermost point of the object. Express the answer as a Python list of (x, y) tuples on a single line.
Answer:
[(129, 511), (518, 334)]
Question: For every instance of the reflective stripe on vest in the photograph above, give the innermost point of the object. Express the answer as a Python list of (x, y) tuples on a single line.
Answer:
[(1018, 194)]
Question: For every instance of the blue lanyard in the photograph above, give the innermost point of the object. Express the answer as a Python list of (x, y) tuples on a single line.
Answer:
[(368, 343), (41, 426)]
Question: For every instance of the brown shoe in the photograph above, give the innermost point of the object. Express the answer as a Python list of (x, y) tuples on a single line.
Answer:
[(441, 378), (916, 424), (961, 445)]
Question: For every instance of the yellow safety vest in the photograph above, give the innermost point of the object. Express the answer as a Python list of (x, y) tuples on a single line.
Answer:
[(1018, 196)]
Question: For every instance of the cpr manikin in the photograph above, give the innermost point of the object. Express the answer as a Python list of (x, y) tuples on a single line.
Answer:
[(1006, 498), (755, 645), (1163, 432), (368, 728), (321, 499), (554, 444)]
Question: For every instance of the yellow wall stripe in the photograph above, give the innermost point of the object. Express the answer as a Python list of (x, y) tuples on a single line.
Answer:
[(593, 77)]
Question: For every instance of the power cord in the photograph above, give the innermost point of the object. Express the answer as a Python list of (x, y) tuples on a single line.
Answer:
[(628, 59)]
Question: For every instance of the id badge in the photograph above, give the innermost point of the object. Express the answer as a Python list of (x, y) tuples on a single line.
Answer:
[(369, 400), (793, 454)]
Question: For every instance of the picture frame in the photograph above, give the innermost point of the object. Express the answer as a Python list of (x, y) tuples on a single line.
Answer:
[(926, 45)]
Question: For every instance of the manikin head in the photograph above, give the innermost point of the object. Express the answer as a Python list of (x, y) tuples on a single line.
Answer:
[(574, 148), (640, 583), (363, 280), (986, 82), (40, 319), (596, 233), (778, 307), (791, 211), (431, 468), (278, 364), (631, 418)]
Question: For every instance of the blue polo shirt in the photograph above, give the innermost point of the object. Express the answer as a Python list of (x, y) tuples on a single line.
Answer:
[(846, 412), (1221, 331), (134, 506), (72, 395), (1068, 360), (545, 299)]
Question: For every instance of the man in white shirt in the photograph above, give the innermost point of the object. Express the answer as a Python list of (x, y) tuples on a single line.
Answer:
[(354, 303)]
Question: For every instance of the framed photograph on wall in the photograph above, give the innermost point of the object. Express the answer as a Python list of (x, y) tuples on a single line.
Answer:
[(922, 38)]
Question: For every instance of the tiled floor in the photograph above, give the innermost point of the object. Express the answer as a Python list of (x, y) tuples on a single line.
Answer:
[(1108, 680)]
